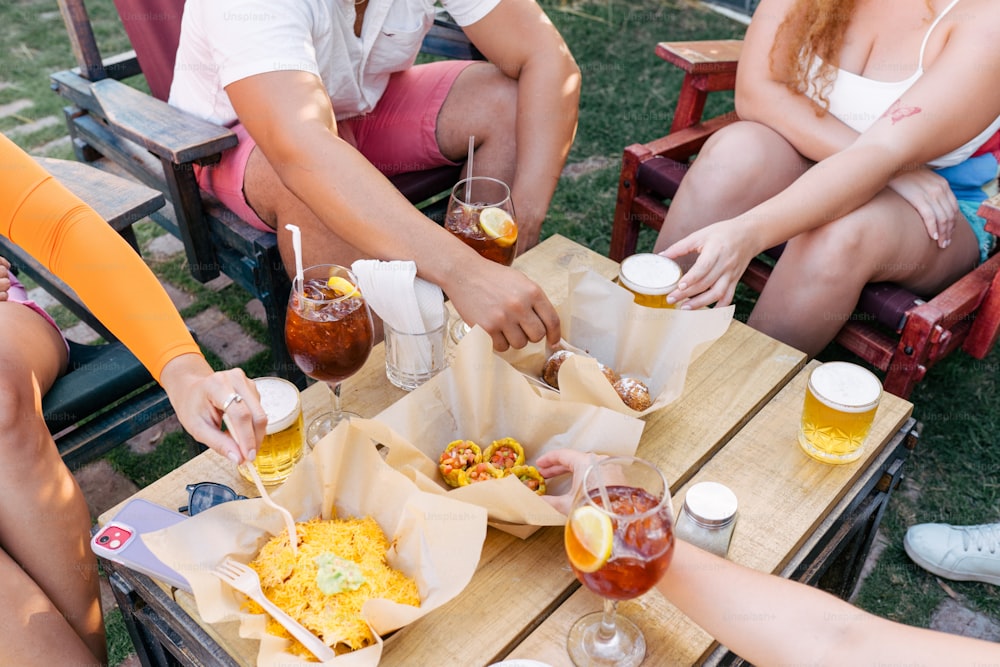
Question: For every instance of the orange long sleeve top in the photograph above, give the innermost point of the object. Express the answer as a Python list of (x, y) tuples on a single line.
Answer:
[(76, 244)]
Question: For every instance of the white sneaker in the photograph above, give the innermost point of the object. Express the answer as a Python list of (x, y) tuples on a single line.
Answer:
[(962, 553)]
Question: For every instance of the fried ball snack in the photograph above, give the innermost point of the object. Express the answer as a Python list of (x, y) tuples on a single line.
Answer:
[(292, 582), (504, 454), (457, 459), (550, 371), (634, 393)]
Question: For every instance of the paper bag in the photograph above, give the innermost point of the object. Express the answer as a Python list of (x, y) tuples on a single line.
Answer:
[(655, 345), (438, 539), (480, 397)]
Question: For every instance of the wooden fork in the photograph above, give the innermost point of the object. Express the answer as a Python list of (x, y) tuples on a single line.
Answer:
[(245, 580)]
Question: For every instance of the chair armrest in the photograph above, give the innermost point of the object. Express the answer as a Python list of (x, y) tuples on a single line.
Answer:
[(709, 66), (681, 145), (703, 57), (990, 210), (165, 131)]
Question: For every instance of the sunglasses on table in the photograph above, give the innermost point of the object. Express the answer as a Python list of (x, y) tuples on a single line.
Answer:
[(203, 495)]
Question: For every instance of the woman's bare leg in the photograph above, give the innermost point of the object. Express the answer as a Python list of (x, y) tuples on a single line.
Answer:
[(816, 283), (738, 167), (48, 576)]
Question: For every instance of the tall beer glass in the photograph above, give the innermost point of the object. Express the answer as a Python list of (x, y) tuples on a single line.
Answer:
[(839, 409)]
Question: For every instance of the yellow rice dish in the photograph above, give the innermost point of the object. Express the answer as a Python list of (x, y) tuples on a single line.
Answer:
[(290, 582)]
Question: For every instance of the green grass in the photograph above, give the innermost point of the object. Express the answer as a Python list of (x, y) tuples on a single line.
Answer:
[(628, 96)]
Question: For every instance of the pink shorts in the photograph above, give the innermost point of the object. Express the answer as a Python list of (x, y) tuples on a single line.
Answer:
[(399, 135), (18, 294)]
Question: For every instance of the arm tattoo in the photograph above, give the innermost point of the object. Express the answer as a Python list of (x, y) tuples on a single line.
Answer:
[(898, 112)]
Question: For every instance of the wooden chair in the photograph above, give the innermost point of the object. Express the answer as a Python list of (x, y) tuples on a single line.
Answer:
[(107, 396), (111, 122), (893, 329)]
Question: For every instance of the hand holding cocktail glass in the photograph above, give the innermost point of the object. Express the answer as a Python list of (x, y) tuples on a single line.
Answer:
[(619, 540), (481, 214)]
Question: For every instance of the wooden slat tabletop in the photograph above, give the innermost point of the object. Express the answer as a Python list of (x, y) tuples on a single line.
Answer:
[(735, 423)]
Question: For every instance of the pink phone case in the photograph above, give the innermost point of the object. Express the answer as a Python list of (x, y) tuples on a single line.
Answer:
[(120, 540)]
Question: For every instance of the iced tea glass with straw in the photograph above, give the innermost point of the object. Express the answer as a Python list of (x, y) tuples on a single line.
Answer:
[(619, 540), (481, 214), (329, 333)]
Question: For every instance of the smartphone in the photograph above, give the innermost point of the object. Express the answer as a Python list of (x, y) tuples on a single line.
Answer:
[(120, 540)]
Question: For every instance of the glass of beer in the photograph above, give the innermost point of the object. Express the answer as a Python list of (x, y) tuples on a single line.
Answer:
[(283, 442), (650, 278), (619, 540), (481, 214), (840, 404)]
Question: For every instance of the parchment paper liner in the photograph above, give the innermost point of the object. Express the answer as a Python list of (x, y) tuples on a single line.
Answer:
[(438, 539), (655, 345), (480, 397)]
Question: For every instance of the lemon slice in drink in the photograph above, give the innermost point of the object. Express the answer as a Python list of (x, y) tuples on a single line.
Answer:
[(342, 286), (498, 225), (589, 538)]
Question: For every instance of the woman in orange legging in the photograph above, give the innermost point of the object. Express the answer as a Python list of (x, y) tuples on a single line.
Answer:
[(51, 613)]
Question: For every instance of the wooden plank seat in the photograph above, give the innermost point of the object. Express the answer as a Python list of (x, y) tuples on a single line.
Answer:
[(106, 396), (893, 329)]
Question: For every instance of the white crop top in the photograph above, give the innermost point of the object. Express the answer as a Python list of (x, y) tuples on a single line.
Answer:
[(858, 101)]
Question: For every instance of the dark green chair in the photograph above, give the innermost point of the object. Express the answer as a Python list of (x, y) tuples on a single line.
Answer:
[(107, 396)]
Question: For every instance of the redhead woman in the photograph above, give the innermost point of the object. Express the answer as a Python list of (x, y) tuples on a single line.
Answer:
[(867, 139)]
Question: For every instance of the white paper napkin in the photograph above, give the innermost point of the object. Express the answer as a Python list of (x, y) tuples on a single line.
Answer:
[(405, 302)]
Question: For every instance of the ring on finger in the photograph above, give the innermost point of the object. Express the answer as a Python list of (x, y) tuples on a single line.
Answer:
[(233, 398)]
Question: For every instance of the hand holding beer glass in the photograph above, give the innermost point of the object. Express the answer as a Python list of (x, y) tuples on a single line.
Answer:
[(840, 404), (619, 539)]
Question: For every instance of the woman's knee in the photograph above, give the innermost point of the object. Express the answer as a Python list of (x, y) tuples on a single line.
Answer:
[(732, 162)]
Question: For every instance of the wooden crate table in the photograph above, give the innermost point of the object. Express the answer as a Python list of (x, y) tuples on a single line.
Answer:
[(735, 423)]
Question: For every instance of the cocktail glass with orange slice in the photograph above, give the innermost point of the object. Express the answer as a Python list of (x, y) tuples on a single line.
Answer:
[(619, 540), (481, 214)]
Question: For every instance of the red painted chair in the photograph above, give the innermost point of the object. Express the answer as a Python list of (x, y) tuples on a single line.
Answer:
[(892, 329), (123, 128)]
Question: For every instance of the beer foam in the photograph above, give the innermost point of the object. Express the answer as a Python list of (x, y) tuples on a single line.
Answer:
[(280, 400), (846, 387), (650, 273)]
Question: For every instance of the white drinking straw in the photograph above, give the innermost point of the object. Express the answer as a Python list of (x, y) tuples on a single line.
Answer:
[(297, 248), (468, 171)]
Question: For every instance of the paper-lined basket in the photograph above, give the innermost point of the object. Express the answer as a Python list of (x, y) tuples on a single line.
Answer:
[(480, 397), (655, 345), (437, 539)]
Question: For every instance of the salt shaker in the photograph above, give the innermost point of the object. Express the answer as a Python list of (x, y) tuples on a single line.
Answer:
[(707, 517)]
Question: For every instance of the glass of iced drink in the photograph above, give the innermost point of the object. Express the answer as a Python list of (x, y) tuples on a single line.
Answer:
[(619, 540), (481, 214), (329, 333)]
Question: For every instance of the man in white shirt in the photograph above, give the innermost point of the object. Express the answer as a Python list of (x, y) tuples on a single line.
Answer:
[(327, 103)]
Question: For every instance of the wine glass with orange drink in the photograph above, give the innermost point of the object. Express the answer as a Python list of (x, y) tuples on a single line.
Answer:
[(329, 333), (481, 214), (619, 539)]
